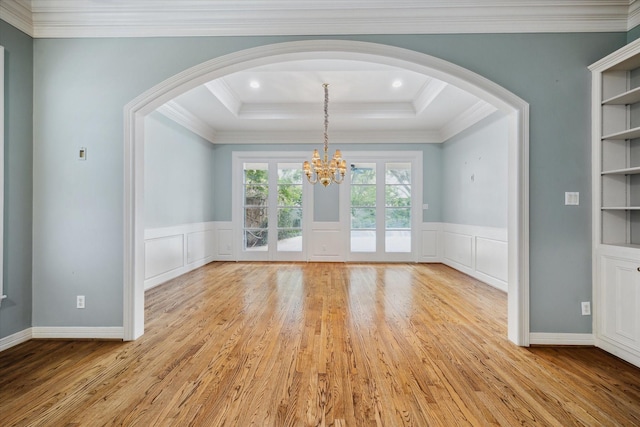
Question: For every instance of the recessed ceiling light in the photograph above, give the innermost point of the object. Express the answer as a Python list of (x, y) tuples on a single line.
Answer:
[(254, 84), (397, 83)]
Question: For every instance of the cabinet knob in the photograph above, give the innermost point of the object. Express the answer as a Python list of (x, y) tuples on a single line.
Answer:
[(638, 268)]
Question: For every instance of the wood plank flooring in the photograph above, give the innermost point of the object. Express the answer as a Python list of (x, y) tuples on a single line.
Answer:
[(241, 344)]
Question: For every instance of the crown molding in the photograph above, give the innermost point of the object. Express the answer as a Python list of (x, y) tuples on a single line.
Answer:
[(633, 19), (348, 137), (174, 111), (346, 110), (18, 13), (221, 90), (428, 94), (159, 18), (468, 118)]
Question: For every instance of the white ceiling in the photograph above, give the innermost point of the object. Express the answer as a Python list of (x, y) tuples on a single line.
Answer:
[(364, 105)]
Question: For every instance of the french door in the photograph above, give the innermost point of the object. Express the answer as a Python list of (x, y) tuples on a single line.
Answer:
[(382, 204), (269, 198)]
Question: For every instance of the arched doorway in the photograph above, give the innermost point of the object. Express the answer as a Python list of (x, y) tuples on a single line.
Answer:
[(518, 142)]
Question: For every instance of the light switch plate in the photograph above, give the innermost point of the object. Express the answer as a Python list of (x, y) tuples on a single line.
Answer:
[(572, 198)]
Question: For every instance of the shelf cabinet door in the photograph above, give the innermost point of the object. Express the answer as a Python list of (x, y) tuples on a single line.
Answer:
[(619, 301)]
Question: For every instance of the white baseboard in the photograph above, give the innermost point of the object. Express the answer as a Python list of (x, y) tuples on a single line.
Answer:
[(542, 338), (15, 339), (76, 332)]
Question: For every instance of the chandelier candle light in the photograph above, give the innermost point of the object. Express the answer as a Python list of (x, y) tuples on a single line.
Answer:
[(323, 170)]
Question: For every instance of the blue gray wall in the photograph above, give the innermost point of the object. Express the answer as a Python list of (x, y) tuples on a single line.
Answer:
[(15, 311), (178, 174), (81, 86), (474, 174)]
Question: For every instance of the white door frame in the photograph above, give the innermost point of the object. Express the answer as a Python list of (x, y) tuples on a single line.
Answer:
[(413, 157), (514, 107), (238, 158)]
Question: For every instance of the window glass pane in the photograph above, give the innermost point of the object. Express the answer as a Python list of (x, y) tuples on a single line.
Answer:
[(290, 195), (255, 240), (290, 240), (397, 241), (363, 173), (256, 218), (398, 173), (256, 173), (363, 195), (289, 217), (256, 195), (363, 217), (398, 195), (363, 241), (289, 174), (397, 218)]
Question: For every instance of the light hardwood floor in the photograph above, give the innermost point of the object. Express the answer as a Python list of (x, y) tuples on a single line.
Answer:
[(240, 344)]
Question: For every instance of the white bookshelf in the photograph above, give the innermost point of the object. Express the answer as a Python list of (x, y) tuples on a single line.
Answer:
[(616, 202)]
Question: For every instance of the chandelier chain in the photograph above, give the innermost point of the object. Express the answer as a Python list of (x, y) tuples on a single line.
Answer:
[(321, 169)]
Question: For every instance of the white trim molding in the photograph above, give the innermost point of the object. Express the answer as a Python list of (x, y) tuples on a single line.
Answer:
[(62, 332), (540, 338), (159, 18), (2, 114), (15, 339), (77, 332), (18, 13), (174, 111)]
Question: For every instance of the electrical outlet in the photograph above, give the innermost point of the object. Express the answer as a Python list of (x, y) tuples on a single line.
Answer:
[(586, 308), (80, 301)]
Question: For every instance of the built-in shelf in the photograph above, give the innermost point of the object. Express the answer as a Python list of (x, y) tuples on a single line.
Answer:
[(625, 171), (621, 208), (616, 202), (625, 134), (630, 97), (623, 245)]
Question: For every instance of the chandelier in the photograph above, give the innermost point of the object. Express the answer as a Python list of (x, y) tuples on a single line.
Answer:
[(323, 170)]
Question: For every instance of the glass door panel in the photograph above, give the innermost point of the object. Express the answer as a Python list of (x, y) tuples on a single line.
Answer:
[(398, 207), (289, 221), (381, 210), (256, 207), (363, 207)]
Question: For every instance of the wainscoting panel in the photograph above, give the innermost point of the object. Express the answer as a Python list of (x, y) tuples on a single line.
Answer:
[(327, 242), (162, 255), (430, 240), (491, 258), (172, 251), (200, 245), (458, 248), (224, 231), (480, 252)]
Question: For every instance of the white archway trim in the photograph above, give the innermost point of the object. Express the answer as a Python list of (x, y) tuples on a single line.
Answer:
[(2, 294), (502, 99)]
